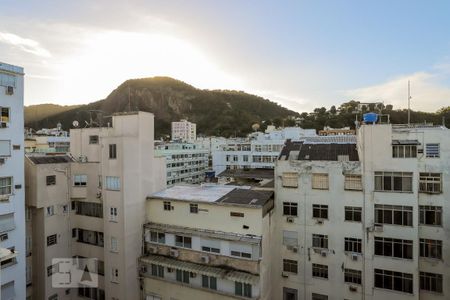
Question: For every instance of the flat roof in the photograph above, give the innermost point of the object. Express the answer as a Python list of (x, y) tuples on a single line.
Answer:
[(219, 194), (49, 159), (248, 173)]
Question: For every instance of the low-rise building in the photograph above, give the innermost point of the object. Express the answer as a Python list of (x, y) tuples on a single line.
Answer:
[(206, 242)]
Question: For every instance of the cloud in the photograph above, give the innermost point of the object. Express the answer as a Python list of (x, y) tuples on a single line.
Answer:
[(427, 93), (27, 45)]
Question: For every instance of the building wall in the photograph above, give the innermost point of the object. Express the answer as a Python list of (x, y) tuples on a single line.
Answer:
[(14, 167)]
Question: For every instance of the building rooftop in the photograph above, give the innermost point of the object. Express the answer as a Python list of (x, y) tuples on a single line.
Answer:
[(49, 159), (327, 148), (220, 194), (248, 173)]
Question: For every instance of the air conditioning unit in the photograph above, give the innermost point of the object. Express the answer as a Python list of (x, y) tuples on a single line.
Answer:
[(3, 237), (4, 198), (323, 253), (174, 252), (143, 269), (352, 288), (354, 256), (9, 90), (378, 228), (319, 221), (295, 249), (3, 125), (205, 259), (2, 160), (153, 249), (169, 270), (285, 274), (290, 219)]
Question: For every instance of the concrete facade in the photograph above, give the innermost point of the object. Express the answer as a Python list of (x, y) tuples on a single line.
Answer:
[(184, 131), (12, 192)]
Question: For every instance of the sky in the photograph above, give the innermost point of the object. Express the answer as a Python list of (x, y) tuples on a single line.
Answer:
[(301, 54)]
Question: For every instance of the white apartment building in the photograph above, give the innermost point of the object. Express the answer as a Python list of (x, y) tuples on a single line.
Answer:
[(184, 131), (185, 162), (12, 193), (363, 217), (206, 242), (259, 150), (93, 206)]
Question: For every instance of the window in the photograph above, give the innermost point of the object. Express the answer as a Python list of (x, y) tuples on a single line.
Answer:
[(430, 248), (320, 211), (396, 281), (240, 254), (243, 289), (353, 245), (430, 215), (89, 237), (432, 150), (290, 294), (113, 214), (209, 282), (315, 296), (183, 241), (182, 276), (430, 183), (393, 181), (431, 282), (5, 185), (50, 210), (319, 270), (236, 214), (157, 237), (93, 139), (51, 240), (245, 158), (352, 276), (112, 151), (4, 117), (353, 213), (393, 214), (404, 151), (114, 247), (290, 209), (290, 238), (320, 181), (80, 180), (289, 179), (53, 297), (290, 266), (393, 247), (157, 270), (210, 245), (5, 148), (52, 269), (112, 183), (353, 182), (89, 209), (50, 180), (320, 241), (114, 275), (193, 208), (167, 205)]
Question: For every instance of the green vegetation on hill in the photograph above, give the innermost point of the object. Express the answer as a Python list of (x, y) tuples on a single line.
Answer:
[(41, 111), (216, 112)]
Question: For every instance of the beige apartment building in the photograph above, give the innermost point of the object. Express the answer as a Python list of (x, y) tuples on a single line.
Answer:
[(91, 204), (363, 217), (206, 242)]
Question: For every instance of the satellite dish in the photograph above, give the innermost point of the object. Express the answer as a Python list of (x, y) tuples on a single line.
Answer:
[(75, 123)]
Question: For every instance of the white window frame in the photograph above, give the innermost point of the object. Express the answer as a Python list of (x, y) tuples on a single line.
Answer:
[(113, 214), (112, 183), (114, 244), (79, 180), (353, 182), (320, 181), (6, 187), (289, 179)]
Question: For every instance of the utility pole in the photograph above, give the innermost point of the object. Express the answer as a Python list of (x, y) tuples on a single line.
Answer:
[(409, 103)]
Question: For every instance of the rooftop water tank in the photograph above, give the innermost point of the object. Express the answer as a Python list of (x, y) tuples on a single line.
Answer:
[(370, 117)]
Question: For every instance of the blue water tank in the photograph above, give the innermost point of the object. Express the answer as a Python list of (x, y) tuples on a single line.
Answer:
[(370, 117)]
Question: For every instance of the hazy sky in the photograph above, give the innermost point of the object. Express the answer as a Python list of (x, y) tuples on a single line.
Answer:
[(302, 54)]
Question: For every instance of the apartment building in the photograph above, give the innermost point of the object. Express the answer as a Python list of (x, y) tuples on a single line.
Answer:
[(184, 131), (185, 162), (206, 242), (12, 196), (361, 217), (91, 204), (258, 150)]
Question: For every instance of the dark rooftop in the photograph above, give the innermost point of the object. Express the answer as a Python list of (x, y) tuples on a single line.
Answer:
[(327, 151), (49, 159), (246, 197), (248, 173)]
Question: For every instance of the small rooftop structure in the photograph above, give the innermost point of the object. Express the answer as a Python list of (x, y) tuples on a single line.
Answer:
[(219, 194)]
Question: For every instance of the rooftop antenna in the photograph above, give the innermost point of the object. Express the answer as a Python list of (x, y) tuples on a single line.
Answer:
[(409, 103)]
